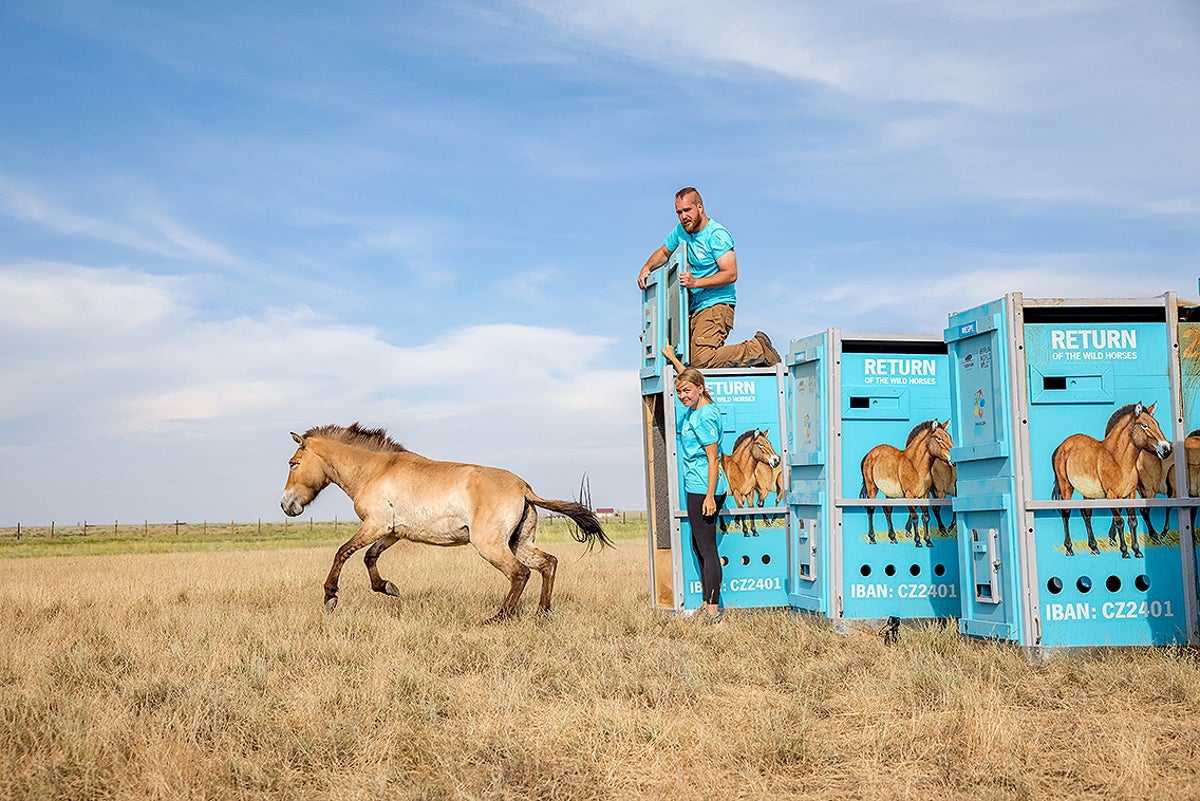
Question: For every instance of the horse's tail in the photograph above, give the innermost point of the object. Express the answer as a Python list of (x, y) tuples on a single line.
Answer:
[(589, 531), (1056, 493)]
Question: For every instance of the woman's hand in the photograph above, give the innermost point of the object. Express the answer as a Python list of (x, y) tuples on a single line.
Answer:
[(709, 507)]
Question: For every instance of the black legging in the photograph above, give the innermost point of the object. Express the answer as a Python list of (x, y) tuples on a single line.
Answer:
[(704, 543)]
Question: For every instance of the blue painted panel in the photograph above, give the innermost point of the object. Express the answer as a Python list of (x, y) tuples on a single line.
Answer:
[(896, 560), (753, 546)]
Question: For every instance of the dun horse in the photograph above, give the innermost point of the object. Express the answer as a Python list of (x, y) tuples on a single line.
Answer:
[(750, 470), (1107, 468), (400, 495), (1157, 477), (906, 473)]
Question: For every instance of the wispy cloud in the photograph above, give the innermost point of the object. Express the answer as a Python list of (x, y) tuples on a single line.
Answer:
[(146, 229)]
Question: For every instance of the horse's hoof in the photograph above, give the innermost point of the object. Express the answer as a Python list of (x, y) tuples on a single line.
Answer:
[(499, 617), (390, 589), (1137, 554), (331, 604), (1124, 554), (917, 542)]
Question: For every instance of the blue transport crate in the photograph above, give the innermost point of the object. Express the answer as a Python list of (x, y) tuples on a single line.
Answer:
[(873, 533), (1063, 409), (753, 540)]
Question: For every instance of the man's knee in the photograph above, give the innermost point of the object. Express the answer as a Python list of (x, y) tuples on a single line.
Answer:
[(702, 358)]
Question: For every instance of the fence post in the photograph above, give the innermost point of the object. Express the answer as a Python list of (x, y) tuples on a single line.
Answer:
[(177, 527), (18, 531)]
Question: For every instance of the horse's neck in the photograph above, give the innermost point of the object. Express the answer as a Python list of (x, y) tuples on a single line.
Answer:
[(918, 453), (351, 467), (744, 457), (1118, 442)]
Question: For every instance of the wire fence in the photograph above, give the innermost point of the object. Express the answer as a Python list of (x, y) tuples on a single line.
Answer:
[(207, 528)]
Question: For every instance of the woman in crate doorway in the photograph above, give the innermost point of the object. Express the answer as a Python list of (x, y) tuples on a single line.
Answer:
[(704, 483)]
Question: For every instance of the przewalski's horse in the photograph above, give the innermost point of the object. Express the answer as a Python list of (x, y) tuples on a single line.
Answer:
[(749, 468), (945, 484), (1157, 477), (401, 495), (906, 473), (1107, 468)]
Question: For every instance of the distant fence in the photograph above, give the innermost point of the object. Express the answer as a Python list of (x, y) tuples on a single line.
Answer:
[(178, 527), (232, 528)]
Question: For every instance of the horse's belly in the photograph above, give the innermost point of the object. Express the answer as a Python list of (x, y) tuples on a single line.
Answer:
[(890, 487), (1088, 486), (440, 530)]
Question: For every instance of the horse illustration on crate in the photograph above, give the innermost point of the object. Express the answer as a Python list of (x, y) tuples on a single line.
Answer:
[(1108, 469), (1157, 477), (754, 471), (909, 473)]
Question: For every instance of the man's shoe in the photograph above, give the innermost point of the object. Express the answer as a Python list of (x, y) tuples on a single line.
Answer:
[(770, 355)]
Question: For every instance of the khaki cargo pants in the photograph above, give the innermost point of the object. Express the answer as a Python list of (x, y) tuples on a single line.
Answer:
[(707, 330)]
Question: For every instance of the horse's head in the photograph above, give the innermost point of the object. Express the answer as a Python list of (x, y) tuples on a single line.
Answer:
[(762, 450), (1146, 433), (939, 442), (307, 476)]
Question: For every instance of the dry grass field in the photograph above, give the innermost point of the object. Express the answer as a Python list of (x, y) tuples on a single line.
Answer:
[(216, 675)]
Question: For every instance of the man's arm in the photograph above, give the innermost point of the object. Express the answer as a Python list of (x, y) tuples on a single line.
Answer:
[(657, 259), (726, 274)]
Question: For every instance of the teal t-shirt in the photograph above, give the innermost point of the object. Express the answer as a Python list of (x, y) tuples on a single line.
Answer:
[(703, 249), (697, 428)]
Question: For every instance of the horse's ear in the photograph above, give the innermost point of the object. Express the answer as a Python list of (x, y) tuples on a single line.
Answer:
[(766, 431), (299, 439), (1150, 410), (946, 425), (1139, 408)]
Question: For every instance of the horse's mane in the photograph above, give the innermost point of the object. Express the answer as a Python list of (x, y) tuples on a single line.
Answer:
[(1124, 411), (742, 437), (375, 439), (924, 425)]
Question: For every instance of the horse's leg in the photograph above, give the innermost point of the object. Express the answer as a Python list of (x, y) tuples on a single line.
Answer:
[(871, 524), (1150, 532), (536, 559), (366, 534), (937, 515), (371, 557), (1116, 532), (925, 523), (912, 526), (493, 546), (1086, 514), (1066, 516), (1133, 540), (887, 513)]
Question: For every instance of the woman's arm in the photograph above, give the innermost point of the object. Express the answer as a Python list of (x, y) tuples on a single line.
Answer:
[(710, 502)]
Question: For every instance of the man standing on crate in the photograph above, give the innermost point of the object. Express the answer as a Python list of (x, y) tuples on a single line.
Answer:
[(709, 277)]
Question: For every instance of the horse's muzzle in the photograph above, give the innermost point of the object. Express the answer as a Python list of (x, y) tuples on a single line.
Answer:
[(291, 504), (1163, 450)]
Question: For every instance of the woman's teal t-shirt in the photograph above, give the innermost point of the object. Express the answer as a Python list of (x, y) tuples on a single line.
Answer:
[(697, 428)]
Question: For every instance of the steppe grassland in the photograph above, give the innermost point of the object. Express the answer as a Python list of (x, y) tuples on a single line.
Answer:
[(216, 675)]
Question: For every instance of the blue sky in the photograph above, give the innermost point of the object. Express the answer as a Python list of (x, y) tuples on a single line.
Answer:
[(223, 222)]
